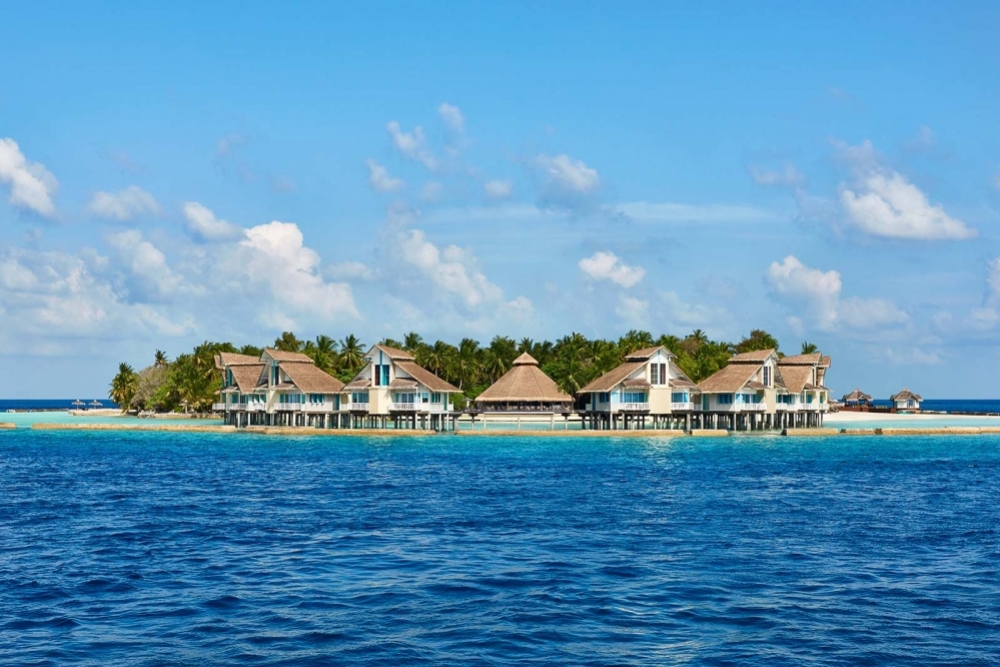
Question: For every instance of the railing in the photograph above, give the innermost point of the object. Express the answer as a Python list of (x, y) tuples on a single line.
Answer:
[(354, 407), (326, 406), (404, 407), (635, 407), (751, 407), (681, 407), (288, 407), (221, 407)]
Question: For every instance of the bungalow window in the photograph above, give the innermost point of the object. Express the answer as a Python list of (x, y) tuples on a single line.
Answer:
[(767, 376), (359, 397), (654, 374), (635, 397), (604, 397), (435, 398), (663, 374), (381, 375), (274, 375), (725, 399), (679, 397)]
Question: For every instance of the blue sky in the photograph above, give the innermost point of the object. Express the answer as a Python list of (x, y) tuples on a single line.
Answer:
[(830, 174)]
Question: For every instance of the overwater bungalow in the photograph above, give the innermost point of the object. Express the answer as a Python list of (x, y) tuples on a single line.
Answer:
[(906, 400), (648, 389), (392, 388), (523, 392), (801, 395), (742, 395)]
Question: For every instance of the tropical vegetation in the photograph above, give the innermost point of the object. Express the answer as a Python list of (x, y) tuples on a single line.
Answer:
[(190, 382)]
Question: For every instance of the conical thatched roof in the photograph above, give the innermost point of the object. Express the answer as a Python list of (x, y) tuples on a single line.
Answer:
[(524, 383), (857, 395), (905, 395)]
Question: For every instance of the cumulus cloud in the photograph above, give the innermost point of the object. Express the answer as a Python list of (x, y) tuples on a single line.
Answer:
[(607, 266), (911, 356), (350, 271), (566, 182), (206, 227), (883, 203), (498, 189), (274, 256), (452, 269), (380, 180), (31, 184), (130, 203), (452, 117), (787, 176), (153, 280), (412, 145), (818, 293)]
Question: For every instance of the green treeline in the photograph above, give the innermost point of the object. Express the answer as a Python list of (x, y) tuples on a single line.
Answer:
[(190, 381)]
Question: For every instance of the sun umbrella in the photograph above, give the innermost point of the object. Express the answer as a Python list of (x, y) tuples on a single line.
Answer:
[(96, 404), (78, 403)]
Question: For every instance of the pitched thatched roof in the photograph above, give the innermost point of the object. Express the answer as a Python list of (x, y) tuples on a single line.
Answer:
[(223, 359), (246, 375), (755, 357), (905, 395), (612, 378), (524, 383), (393, 353), (426, 378), (824, 362), (280, 355), (360, 382), (637, 383), (403, 383), (682, 383), (856, 395), (795, 378), (646, 352), (730, 379), (312, 380), (812, 359)]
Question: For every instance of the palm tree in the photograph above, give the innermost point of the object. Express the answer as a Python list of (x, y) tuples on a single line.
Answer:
[(809, 348), (466, 362), (323, 352), (160, 360), (351, 352), (123, 387), (412, 341), (251, 350), (438, 357)]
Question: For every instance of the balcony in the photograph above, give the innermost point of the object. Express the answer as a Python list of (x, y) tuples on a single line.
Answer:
[(288, 407), (404, 407), (634, 407), (751, 407), (318, 408), (682, 407), (354, 407), (221, 407)]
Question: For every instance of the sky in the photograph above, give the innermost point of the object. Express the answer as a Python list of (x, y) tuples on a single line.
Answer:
[(192, 172)]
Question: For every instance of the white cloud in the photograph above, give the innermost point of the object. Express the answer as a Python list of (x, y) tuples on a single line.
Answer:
[(452, 117), (671, 212), (349, 271), (31, 184), (498, 189), (787, 176), (911, 356), (153, 278), (607, 266), (125, 205), (452, 269), (274, 256), (204, 225), (566, 182), (633, 311), (380, 180), (883, 203), (412, 145), (432, 191), (819, 294)]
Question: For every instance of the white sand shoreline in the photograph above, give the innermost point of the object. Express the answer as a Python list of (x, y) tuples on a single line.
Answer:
[(867, 417)]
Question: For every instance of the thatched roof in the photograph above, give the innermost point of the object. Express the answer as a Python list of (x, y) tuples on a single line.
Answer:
[(730, 379), (311, 379), (524, 383), (905, 395), (245, 375), (812, 359), (403, 383), (612, 378), (647, 352), (360, 382), (856, 395), (393, 353), (755, 357), (426, 378), (280, 355), (824, 362), (795, 378), (682, 383), (224, 359)]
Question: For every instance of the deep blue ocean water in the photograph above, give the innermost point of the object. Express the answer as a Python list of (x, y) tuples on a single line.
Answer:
[(165, 548)]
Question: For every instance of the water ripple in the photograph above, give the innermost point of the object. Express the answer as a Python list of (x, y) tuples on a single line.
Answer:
[(155, 548)]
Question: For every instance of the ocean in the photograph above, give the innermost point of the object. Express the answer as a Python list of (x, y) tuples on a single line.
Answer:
[(129, 548)]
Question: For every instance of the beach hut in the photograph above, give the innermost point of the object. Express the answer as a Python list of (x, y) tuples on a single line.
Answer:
[(524, 389), (78, 404), (96, 404), (857, 398), (906, 400)]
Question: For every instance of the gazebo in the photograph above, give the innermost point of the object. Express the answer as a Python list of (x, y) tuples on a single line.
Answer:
[(857, 397), (524, 389)]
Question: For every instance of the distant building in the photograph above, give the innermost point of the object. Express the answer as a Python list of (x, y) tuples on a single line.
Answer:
[(857, 398), (523, 391), (905, 400)]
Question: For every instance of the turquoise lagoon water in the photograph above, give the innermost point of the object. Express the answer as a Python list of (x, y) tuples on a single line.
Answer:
[(128, 548), (26, 419)]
